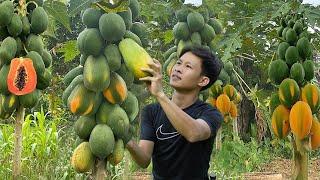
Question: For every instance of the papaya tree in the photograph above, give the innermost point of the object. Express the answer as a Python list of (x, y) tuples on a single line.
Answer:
[(25, 64), (250, 40), (103, 90), (296, 102)]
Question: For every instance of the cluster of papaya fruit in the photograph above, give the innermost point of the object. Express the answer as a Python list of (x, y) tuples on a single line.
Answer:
[(295, 105), (104, 89), (192, 29), (225, 99), (228, 74), (24, 59), (294, 52), (224, 91)]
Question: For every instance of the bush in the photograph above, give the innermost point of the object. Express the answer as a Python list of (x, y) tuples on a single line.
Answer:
[(237, 157)]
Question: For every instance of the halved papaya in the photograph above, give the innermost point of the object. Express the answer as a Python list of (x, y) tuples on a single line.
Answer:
[(22, 77)]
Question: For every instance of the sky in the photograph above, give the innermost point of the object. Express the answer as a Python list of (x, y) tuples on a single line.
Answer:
[(199, 2), (313, 2)]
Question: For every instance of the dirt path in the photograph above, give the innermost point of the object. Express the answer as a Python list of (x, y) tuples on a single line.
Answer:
[(278, 169), (283, 166)]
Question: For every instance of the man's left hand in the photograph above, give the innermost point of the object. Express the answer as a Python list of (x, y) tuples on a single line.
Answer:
[(154, 82)]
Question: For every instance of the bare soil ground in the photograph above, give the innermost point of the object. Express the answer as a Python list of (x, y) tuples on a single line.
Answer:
[(278, 169), (282, 167)]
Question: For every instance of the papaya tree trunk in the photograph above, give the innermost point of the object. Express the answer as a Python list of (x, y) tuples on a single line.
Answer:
[(99, 171), (219, 139), (18, 143), (263, 131), (300, 160), (235, 129), (246, 113)]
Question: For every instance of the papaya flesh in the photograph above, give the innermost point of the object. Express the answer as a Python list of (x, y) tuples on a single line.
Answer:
[(22, 77)]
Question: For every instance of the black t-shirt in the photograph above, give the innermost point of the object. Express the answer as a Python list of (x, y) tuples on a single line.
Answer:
[(173, 157)]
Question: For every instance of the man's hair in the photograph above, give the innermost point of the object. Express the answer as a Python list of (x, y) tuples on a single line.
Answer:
[(211, 65)]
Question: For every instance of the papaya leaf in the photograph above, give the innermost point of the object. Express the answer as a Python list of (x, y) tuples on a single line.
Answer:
[(284, 8), (69, 50), (52, 27), (232, 43), (168, 36), (76, 6), (58, 11), (312, 14)]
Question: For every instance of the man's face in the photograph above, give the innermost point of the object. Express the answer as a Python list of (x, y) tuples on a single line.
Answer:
[(186, 73)]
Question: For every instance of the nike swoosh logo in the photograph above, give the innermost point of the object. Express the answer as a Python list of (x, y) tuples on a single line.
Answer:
[(165, 135)]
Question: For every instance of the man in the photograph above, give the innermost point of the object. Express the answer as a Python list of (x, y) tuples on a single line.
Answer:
[(178, 133)]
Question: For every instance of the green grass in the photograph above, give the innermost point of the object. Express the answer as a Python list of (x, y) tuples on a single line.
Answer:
[(48, 145), (237, 157), (47, 148)]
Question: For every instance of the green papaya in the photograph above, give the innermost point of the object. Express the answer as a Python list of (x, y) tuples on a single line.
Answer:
[(278, 70), (282, 48), (8, 50), (101, 141), (26, 27), (181, 31), (72, 74), (182, 14), (297, 73), (140, 30), (47, 58), (35, 43), (115, 117), (308, 67), (112, 27), (113, 56), (44, 80), (169, 52), (90, 17), (118, 153), (216, 24), (127, 18), (207, 33), (4, 71), (292, 55), (195, 21), (19, 47), (6, 13), (30, 100), (135, 8), (90, 42), (304, 48), (96, 73), (15, 25), (84, 126), (196, 38), (82, 159), (126, 74), (131, 106), (39, 20), (66, 93), (291, 36), (133, 36), (38, 63)]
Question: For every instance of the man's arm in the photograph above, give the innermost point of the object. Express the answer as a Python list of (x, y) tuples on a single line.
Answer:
[(141, 153), (193, 130)]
